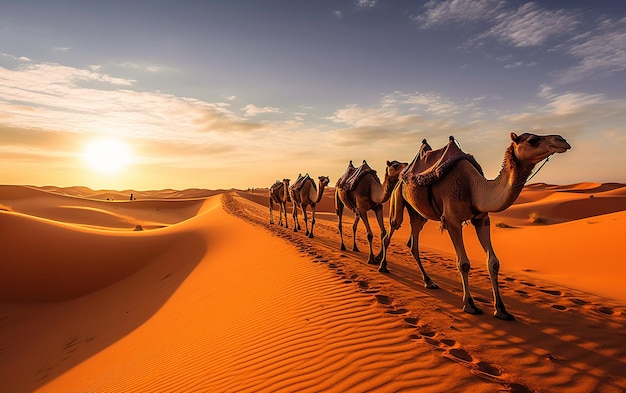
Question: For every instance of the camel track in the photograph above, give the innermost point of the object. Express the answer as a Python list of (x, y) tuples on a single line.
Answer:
[(543, 311)]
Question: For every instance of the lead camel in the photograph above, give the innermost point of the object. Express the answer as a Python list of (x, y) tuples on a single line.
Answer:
[(464, 194)]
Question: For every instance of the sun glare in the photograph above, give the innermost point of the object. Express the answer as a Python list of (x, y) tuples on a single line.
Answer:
[(107, 155)]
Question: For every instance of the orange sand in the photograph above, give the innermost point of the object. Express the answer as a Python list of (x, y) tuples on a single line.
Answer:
[(210, 297)]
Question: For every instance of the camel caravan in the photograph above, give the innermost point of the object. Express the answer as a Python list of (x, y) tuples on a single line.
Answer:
[(445, 185)]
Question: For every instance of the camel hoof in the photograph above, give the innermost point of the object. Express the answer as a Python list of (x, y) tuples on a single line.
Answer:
[(355, 249), (372, 261), (310, 235), (343, 248), (383, 270), (431, 285), (472, 310), (503, 315)]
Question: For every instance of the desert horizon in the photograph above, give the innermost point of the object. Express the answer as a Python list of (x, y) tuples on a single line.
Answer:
[(194, 290)]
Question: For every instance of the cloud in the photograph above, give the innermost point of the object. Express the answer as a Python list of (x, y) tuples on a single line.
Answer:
[(13, 57), (60, 49), (337, 14), (600, 51), (531, 25), (365, 3), (53, 96), (596, 43), (253, 110), (457, 11)]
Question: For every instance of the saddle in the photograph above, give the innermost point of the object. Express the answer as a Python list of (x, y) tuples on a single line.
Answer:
[(341, 182), (353, 180), (297, 185), (430, 165), (278, 188)]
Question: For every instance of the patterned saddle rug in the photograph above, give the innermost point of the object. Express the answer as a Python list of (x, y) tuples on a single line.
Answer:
[(358, 173), (430, 165)]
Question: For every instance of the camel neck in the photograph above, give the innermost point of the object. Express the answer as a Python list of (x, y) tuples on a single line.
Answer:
[(502, 192)]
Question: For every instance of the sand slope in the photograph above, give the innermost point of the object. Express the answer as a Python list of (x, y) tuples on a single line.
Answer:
[(210, 297)]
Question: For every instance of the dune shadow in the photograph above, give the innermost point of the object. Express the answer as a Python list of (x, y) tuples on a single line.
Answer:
[(40, 341)]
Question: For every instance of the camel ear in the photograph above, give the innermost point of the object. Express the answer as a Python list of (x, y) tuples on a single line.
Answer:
[(388, 163), (514, 137)]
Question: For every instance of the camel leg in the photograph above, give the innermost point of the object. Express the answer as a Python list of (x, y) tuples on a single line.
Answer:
[(271, 211), (417, 223), (483, 230), (284, 211), (463, 264), (339, 211), (354, 226), (370, 236), (281, 213), (294, 214), (396, 216), (306, 220), (383, 232), (312, 220)]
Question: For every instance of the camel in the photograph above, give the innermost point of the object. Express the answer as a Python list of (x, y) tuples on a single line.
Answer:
[(360, 190), (279, 193), (304, 192), (463, 194)]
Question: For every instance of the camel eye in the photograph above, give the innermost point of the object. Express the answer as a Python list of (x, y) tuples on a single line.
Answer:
[(533, 141)]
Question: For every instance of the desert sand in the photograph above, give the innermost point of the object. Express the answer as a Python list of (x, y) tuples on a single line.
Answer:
[(194, 290)]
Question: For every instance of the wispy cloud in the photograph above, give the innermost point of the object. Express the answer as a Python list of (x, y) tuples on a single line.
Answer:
[(41, 95), (598, 45), (253, 110), (60, 49), (337, 14), (531, 25), (457, 11), (602, 50)]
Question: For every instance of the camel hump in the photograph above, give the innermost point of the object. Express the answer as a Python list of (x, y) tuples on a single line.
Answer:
[(341, 182), (358, 174), (429, 165)]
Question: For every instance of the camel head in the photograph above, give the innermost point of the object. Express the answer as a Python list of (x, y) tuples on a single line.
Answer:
[(531, 148), (324, 180), (394, 168), (286, 182)]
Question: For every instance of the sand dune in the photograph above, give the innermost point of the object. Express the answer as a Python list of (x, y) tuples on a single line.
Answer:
[(210, 297)]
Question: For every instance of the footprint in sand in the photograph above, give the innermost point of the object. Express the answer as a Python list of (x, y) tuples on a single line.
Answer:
[(552, 292), (559, 307), (398, 311), (530, 284), (605, 310), (382, 299), (521, 292), (412, 321), (364, 284), (487, 368), (580, 302), (460, 353)]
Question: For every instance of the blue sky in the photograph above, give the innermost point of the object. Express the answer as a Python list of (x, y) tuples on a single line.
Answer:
[(220, 94)]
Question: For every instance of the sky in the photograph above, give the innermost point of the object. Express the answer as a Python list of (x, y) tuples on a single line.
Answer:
[(237, 94)]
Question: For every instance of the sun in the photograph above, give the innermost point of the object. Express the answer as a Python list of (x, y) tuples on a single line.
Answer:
[(106, 155)]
